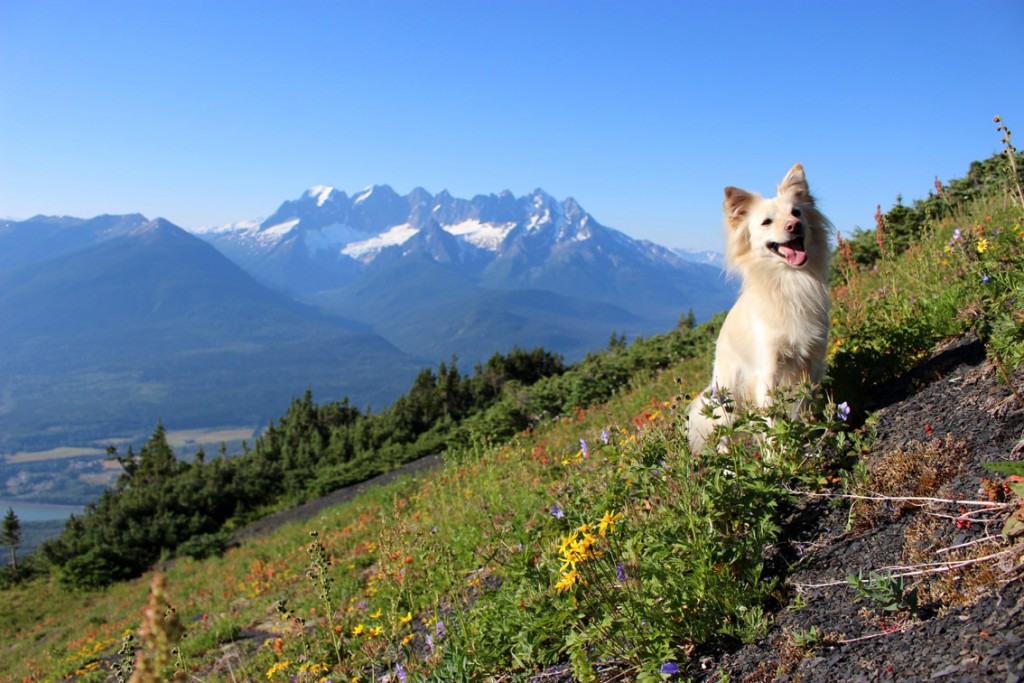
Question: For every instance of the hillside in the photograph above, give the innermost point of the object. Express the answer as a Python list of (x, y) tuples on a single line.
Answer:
[(592, 545), (149, 323)]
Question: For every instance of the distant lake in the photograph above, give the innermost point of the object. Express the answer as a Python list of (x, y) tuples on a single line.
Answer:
[(39, 512)]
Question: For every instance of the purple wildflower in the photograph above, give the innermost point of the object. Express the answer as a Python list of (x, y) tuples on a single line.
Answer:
[(984, 279), (620, 572), (400, 672), (605, 435), (843, 411), (430, 643), (584, 449), (669, 668), (440, 630), (557, 512), (956, 234)]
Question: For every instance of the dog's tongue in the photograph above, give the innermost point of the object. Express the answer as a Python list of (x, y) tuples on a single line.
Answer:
[(794, 253)]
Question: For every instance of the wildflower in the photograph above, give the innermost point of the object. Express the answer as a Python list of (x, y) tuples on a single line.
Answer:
[(376, 631), (406, 619), (607, 522), (982, 245), (843, 411), (280, 666), (358, 630), (430, 643), (605, 435), (408, 639), (669, 668), (440, 630), (583, 448), (557, 512), (376, 615), (956, 234), (984, 279), (567, 581), (620, 572), (400, 672)]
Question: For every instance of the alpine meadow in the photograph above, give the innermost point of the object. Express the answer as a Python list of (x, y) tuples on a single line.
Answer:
[(567, 532)]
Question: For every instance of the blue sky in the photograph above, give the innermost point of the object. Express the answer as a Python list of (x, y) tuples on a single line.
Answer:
[(215, 111)]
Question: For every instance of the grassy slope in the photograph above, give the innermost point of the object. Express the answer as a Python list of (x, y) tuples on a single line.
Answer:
[(416, 554), (475, 502)]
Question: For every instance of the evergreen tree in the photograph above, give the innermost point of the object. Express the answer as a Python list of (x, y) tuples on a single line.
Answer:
[(687, 321), (10, 534)]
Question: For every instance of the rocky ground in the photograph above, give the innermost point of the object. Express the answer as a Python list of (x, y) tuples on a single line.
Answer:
[(936, 426)]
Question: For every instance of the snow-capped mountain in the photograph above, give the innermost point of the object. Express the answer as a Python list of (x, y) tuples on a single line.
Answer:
[(705, 256), (438, 274), (326, 239)]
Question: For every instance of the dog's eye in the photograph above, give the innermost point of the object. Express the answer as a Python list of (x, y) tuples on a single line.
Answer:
[(766, 222), (796, 213)]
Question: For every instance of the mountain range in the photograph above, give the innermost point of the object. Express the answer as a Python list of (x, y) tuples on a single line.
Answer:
[(439, 275), (115, 322)]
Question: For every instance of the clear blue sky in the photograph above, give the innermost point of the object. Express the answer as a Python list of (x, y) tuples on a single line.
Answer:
[(211, 111)]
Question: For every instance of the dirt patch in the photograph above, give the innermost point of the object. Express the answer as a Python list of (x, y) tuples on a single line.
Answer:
[(312, 508)]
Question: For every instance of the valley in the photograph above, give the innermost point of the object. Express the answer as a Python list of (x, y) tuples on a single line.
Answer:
[(116, 323)]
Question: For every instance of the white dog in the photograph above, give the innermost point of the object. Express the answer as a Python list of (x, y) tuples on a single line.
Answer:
[(776, 333)]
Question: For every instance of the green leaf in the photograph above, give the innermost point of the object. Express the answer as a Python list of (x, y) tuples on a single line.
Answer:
[(1004, 467), (1014, 526)]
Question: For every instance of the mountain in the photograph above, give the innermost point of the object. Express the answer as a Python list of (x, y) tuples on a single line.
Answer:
[(43, 237), (144, 321), (705, 256), (444, 274)]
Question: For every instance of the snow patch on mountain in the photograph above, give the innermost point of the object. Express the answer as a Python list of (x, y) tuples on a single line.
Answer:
[(332, 237), (363, 196), (487, 236), (321, 192), (275, 232), (237, 226), (367, 249)]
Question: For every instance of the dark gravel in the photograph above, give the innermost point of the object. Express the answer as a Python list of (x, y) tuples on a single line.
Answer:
[(954, 394)]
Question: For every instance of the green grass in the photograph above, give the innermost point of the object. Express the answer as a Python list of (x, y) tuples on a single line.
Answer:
[(468, 572)]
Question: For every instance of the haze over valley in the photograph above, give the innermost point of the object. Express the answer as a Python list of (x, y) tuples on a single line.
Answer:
[(116, 323)]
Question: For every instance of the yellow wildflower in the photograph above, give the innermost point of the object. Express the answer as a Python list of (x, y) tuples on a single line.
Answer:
[(408, 639), (358, 630), (567, 543), (608, 522), (406, 619), (982, 245), (567, 581), (375, 615), (376, 631), (280, 666)]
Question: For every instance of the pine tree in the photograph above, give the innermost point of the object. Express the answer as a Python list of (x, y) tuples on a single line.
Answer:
[(10, 534)]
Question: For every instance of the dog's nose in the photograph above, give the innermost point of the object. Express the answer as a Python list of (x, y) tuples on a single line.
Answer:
[(793, 226)]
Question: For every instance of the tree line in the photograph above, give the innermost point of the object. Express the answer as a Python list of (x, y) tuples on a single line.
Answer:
[(161, 506)]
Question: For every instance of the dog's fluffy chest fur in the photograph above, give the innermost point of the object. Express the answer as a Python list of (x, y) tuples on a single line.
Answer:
[(776, 334), (772, 339)]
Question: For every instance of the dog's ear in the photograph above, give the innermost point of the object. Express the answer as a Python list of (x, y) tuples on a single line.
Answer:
[(736, 205), (795, 183)]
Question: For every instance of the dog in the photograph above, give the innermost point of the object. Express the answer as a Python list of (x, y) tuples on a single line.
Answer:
[(776, 333)]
